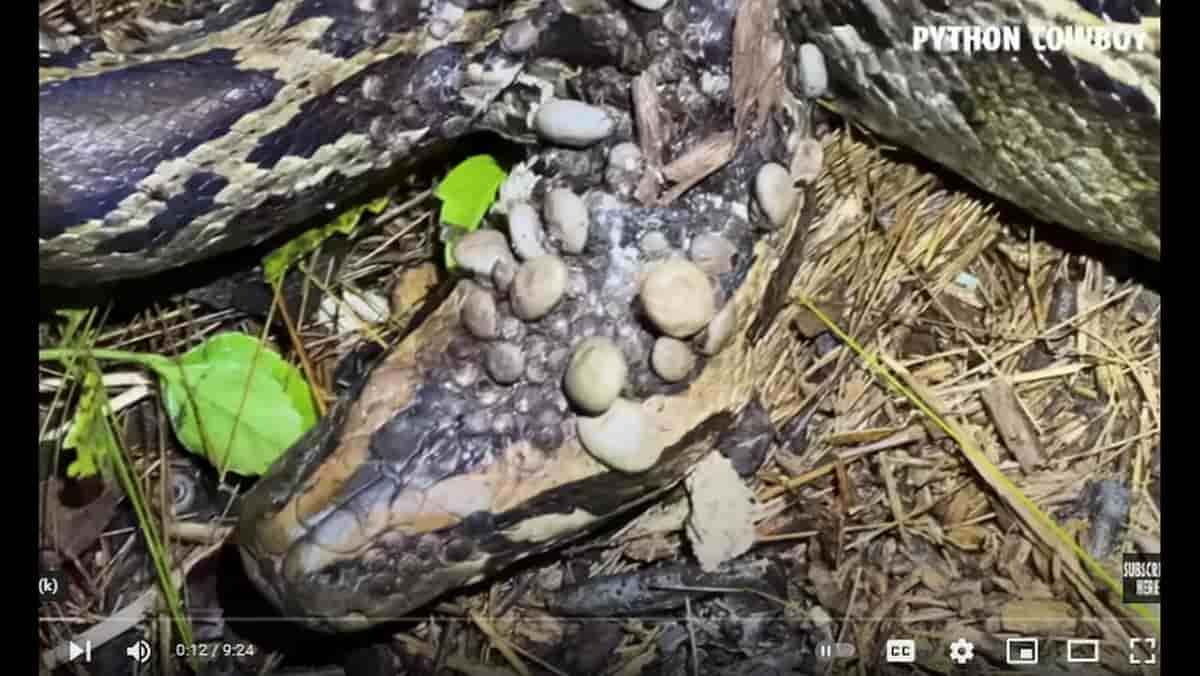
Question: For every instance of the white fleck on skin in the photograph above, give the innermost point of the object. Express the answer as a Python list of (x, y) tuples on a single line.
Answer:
[(624, 262), (545, 91), (488, 83), (624, 169), (440, 28), (714, 84), (851, 41), (625, 157), (516, 189), (448, 11)]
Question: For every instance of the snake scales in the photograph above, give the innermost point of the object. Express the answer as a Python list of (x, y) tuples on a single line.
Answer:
[(429, 474)]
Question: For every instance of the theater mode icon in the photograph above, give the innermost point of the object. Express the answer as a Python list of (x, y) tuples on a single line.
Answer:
[(901, 650), (1083, 650), (1021, 650)]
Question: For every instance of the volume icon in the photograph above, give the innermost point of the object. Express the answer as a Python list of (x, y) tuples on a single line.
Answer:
[(139, 652)]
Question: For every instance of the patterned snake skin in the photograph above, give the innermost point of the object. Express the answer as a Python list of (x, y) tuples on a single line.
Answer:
[(437, 471), (1071, 135)]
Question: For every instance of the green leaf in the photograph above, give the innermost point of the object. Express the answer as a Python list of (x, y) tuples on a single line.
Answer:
[(237, 403), (90, 435), (277, 263), (231, 399), (469, 190)]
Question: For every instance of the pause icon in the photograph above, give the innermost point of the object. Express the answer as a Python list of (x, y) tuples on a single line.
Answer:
[(827, 650)]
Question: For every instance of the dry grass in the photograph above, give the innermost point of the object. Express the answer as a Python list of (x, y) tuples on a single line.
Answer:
[(936, 287)]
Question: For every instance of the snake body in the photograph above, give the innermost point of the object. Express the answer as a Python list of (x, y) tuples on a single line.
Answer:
[(1070, 134), (430, 474)]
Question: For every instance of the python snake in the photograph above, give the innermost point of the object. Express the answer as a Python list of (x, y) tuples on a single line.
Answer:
[(430, 474)]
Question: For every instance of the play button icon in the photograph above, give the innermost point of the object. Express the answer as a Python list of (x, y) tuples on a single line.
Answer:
[(74, 651)]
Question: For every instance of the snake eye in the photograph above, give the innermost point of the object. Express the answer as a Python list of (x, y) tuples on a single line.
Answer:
[(183, 493)]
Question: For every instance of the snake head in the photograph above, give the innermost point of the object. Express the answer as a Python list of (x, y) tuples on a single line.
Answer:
[(497, 430), (445, 465)]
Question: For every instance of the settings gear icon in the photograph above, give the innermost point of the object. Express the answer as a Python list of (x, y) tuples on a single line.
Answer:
[(962, 651)]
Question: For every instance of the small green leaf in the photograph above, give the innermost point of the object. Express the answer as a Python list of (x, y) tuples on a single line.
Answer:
[(469, 190), (90, 435), (233, 371), (277, 263)]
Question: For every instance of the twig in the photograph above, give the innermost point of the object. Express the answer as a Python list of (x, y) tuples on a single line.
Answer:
[(507, 649), (305, 363), (905, 436), (198, 532), (1053, 330), (846, 615), (455, 663)]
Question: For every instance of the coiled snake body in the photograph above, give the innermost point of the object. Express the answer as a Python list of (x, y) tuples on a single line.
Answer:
[(432, 473)]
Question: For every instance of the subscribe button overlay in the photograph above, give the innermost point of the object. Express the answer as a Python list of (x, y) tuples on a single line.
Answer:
[(1141, 578)]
